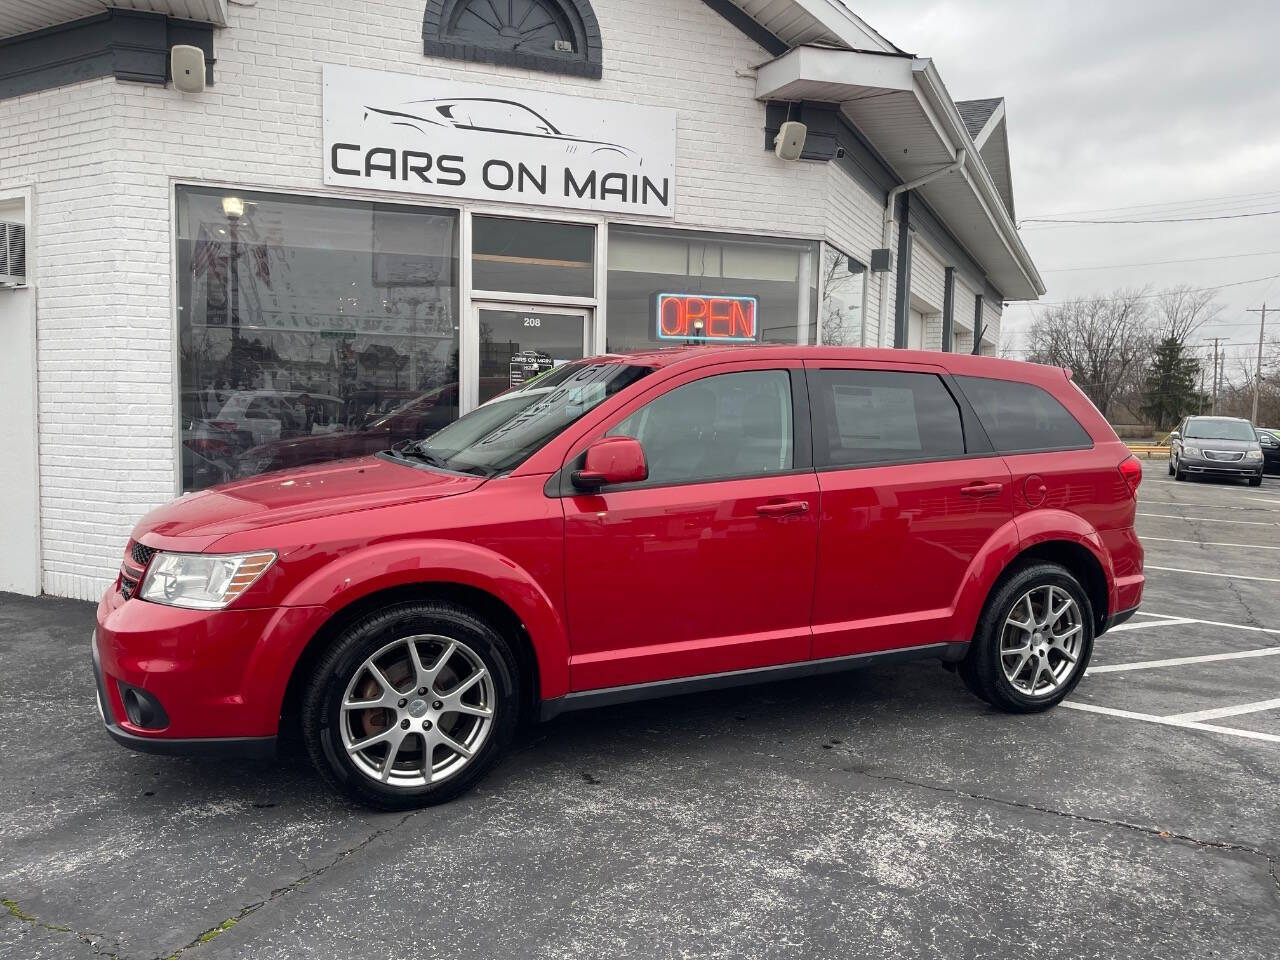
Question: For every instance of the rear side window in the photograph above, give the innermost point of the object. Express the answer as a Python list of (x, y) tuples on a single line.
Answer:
[(1023, 418), (880, 416)]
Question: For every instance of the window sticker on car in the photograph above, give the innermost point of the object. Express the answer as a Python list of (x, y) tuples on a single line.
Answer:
[(882, 417)]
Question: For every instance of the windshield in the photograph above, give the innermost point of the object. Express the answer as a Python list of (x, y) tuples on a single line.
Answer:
[(1219, 430), (506, 431)]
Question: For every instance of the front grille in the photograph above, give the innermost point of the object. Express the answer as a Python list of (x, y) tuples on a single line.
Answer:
[(141, 555), (1227, 456), (127, 587)]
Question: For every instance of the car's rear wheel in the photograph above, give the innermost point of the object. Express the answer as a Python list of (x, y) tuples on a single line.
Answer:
[(1033, 641), (411, 706)]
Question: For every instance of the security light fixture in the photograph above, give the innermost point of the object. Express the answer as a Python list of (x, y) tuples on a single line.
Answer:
[(233, 207)]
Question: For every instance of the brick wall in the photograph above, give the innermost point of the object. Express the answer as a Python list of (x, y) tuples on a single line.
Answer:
[(104, 155)]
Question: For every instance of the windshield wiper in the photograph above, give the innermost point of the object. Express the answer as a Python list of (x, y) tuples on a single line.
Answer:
[(413, 448)]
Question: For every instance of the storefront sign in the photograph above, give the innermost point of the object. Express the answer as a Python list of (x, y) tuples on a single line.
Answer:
[(443, 138), (702, 317)]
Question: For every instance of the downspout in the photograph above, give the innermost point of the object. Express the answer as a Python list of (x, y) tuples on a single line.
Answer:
[(890, 207)]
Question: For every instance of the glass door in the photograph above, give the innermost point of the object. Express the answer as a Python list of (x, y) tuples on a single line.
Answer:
[(520, 341)]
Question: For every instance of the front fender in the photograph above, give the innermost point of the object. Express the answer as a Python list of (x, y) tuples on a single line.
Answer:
[(421, 561)]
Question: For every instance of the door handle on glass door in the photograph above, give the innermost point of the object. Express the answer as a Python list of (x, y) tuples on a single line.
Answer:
[(783, 509), (981, 489)]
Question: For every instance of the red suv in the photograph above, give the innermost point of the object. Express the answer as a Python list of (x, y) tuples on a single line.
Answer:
[(628, 527)]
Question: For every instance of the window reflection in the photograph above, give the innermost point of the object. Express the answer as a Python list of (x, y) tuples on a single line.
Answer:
[(310, 329)]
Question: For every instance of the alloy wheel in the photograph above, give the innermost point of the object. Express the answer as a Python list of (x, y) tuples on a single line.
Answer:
[(417, 711), (1041, 641)]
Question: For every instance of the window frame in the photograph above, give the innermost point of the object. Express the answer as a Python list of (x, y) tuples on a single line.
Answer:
[(559, 484), (588, 61), (977, 446), (1028, 451)]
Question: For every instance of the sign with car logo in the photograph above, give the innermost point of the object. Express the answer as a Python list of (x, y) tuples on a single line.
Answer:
[(444, 138)]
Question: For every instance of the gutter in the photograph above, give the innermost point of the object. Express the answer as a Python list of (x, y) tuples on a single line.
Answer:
[(977, 174), (887, 235)]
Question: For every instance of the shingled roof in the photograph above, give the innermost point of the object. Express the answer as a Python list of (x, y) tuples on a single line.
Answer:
[(976, 113)]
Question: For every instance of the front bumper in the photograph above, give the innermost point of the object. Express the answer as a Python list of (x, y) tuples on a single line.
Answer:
[(1221, 468), (217, 678), (249, 748)]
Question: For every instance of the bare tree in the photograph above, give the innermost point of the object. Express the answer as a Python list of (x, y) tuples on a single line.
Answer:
[(1182, 310), (1103, 340)]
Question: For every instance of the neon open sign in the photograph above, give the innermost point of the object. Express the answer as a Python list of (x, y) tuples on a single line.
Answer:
[(696, 316)]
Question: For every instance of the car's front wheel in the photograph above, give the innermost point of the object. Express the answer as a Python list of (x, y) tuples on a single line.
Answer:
[(411, 706), (1033, 641)]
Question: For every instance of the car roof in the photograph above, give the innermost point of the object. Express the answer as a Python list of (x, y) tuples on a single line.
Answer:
[(1228, 419), (960, 363)]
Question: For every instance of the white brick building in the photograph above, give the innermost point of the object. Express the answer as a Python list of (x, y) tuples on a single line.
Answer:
[(217, 279)]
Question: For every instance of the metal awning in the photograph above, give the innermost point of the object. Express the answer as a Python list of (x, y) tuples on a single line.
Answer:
[(899, 104), (24, 16)]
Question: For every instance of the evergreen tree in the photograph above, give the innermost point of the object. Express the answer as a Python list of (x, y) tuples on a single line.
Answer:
[(1169, 388)]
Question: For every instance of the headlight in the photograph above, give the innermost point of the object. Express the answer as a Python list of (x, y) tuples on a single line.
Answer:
[(1190, 451), (202, 581), (1253, 454)]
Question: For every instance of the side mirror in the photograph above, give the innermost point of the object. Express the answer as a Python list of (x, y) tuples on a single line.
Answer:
[(1174, 435), (609, 461)]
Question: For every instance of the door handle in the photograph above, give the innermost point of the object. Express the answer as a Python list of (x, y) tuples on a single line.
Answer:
[(981, 489), (783, 509)]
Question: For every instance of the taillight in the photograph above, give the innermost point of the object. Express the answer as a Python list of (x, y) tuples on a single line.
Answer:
[(1131, 470)]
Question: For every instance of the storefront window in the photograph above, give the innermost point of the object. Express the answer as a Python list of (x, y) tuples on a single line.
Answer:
[(532, 256), (673, 286), (843, 288), (310, 329)]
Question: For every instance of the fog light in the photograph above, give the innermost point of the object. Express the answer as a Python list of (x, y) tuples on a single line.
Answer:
[(142, 709)]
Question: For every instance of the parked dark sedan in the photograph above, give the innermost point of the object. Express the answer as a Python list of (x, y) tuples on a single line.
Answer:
[(1216, 447), (1269, 437)]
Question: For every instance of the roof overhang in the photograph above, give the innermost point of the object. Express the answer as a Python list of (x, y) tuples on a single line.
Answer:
[(901, 107), (22, 16)]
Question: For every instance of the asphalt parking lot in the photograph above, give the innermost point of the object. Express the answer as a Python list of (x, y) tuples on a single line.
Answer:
[(884, 813)]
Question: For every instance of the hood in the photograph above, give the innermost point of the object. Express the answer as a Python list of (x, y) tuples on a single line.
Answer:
[(305, 493)]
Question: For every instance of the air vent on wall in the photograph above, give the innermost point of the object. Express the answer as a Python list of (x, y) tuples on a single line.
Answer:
[(13, 254)]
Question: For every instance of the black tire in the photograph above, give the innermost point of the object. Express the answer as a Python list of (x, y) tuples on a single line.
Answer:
[(321, 704), (1171, 465), (1179, 473), (982, 670), (1255, 481)]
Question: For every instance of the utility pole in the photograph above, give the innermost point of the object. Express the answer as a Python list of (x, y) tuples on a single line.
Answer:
[(1216, 374), (1257, 373)]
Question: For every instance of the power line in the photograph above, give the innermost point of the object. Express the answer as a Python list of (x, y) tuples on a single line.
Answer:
[(1226, 216), (1156, 263), (1145, 296), (1166, 203)]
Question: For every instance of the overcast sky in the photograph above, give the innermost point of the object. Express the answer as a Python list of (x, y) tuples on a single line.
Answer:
[(1121, 103)]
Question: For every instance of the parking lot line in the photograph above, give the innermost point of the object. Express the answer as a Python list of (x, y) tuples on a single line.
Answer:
[(1174, 516), (1262, 499), (1198, 716), (1180, 661), (1201, 503), (1153, 623), (1206, 573), (1211, 543), (1170, 721), (1213, 623)]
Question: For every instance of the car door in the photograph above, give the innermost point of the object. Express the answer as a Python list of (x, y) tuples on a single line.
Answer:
[(707, 566), (910, 495)]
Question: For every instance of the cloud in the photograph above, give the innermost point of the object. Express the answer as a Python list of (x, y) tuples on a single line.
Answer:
[(1117, 104)]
